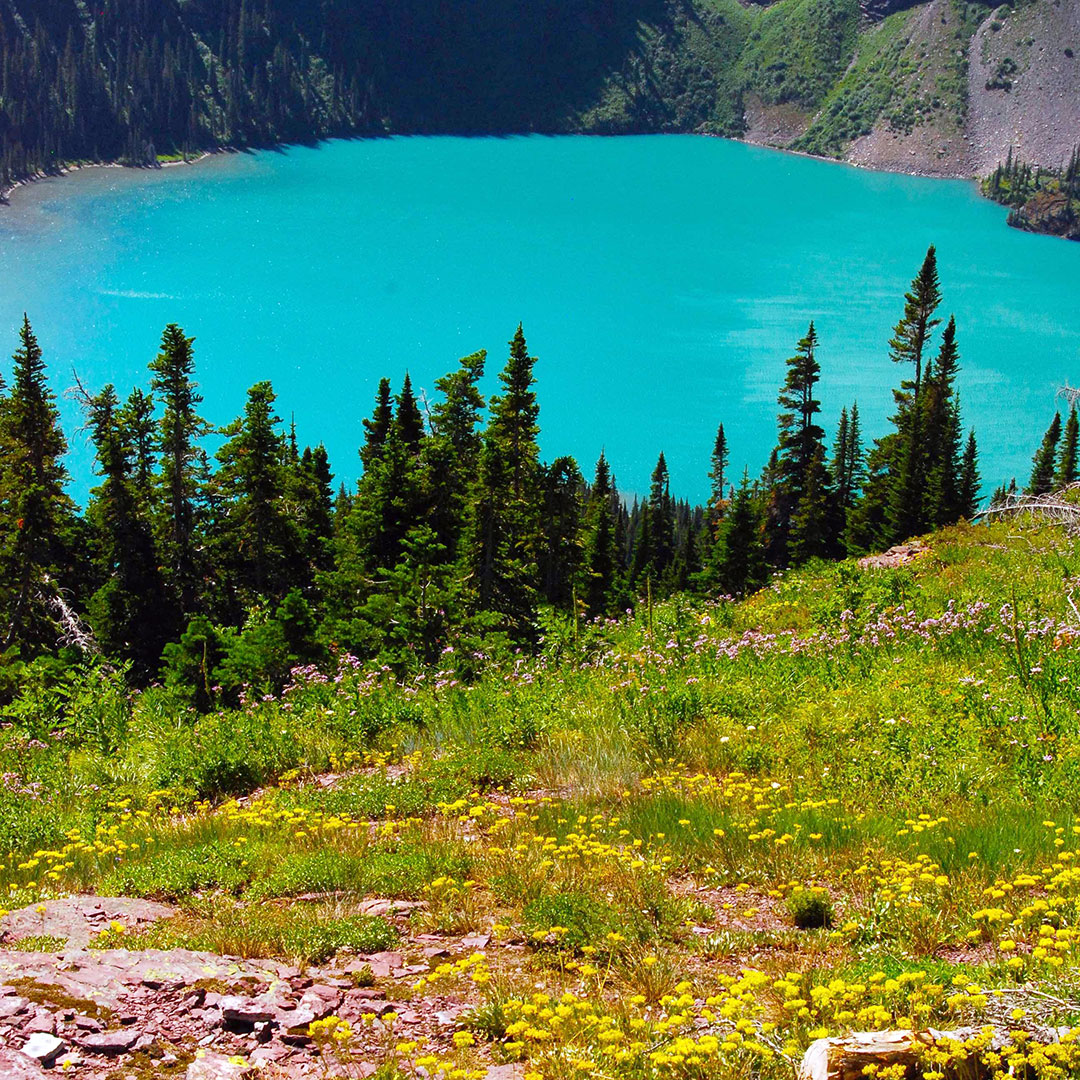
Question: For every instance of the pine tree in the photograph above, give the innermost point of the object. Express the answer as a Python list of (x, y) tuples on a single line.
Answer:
[(414, 604), (810, 526), (139, 432), (128, 611), (560, 550), (600, 557), (856, 461), (505, 526), (969, 479), (255, 537), (739, 560), (407, 419), (661, 519), (912, 333), (717, 479), (514, 416), (800, 444), (1042, 470), (34, 500), (452, 452), (942, 449), (891, 508), (182, 467), (841, 455), (905, 516), (310, 501), (378, 427), (1067, 464)]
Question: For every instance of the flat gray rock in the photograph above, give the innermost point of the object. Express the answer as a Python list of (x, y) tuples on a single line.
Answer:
[(43, 1048)]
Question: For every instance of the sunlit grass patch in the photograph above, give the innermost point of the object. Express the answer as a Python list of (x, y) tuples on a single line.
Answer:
[(301, 933), (396, 870)]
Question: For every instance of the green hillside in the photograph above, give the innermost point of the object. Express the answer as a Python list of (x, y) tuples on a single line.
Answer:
[(687, 844)]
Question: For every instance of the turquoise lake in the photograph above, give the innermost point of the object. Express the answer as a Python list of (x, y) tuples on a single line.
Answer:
[(662, 281)]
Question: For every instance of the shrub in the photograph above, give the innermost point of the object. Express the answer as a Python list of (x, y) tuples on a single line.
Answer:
[(810, 909), (569, 920)]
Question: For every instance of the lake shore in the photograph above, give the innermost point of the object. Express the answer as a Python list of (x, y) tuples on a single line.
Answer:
[(1042, 225), (73, 167)]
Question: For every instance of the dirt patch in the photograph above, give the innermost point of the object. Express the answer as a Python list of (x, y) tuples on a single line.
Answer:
[(936, 144), (773, 125), (746, 910), (900, 555)]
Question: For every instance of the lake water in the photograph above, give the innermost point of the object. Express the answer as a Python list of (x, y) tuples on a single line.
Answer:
[(661, 280)]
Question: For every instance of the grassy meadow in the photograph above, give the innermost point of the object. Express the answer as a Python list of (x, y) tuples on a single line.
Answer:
[(698, 838)]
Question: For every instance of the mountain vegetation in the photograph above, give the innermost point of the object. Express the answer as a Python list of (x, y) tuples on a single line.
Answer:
[(141, 81), (220, 573), (686, 842), (1042, 200)]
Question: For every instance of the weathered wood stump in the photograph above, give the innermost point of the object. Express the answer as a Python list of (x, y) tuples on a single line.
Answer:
[(846, 1057)]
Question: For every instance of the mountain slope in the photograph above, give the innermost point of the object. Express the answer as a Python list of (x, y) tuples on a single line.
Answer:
[(1024, 85), (884, 83)]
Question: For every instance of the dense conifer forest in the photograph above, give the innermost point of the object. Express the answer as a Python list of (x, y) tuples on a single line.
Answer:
[(222, 575)]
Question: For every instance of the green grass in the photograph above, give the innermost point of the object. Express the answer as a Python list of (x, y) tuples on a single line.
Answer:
[(253, 931)]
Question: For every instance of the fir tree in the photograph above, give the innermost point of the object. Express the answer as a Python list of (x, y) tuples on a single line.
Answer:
[(409, 423), (560, 551), (1042, 468), (453, 450), (856, 461), (505, 527), (139, 431), (126, 611), (310, 501), (378, 427), (1067, 464), (905, 516), (841, 454), (942, 449), (912, 333), (600, 556), (180, 481), (34, 500), (800, 444), (413, 605), (892, 505), (739, 562), (969, 479), (256, 538), (514, 416), (717, 479), (661, 520), (810, 525)]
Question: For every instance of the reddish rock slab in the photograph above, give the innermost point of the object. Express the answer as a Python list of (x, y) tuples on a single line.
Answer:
[(76, 919), (109, 1043), (16, 1066)]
